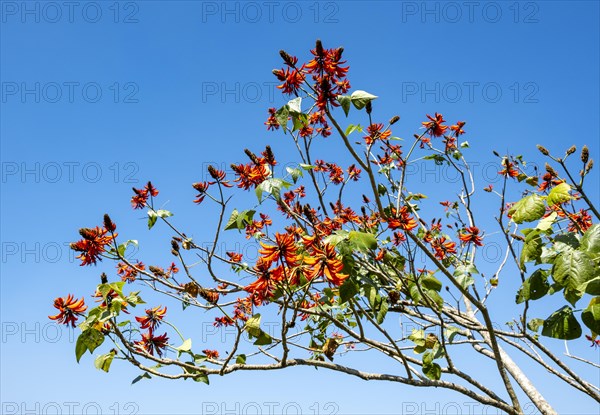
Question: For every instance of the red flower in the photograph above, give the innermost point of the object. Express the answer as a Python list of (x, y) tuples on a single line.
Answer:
[(151, 343), (434, 126), (285, 249), (375, 133), (92, 245), (69, 309), (211, 354), (152, 318), (509, 169), (325, 262), (272, 123), (128, 273), (292, 80), (234, 256), (443, 248), (580, 221), (458, 128), (471, 234), (401, 219), (140, 198)]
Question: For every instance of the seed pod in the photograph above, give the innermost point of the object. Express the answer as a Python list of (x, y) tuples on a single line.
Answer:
[(543, 150), (585, 154)]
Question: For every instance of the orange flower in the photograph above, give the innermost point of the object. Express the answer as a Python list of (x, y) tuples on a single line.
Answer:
[(128, 273), (458, 128), (326, 263), (443, 248), (434, 126), (285, 248), (69, 309), (509, 169), (234, 256), (92, 245), (211, 354), (152, 318), (471, 234), (151, 343), (401, 219)]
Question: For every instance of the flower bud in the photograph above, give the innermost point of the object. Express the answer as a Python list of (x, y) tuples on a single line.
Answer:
[(571, 150), (369, 107), (251, 156), (543, 150), (109, 224), (589, 166), (550, 170), (319, 48), (495, 153), (103, 278), (174, 245), (394, 120), (585, 154)]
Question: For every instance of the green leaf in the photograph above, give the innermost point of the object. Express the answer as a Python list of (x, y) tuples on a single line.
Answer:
[(123, 247), (534, 287), (534, 324), (431, 283), (361, 98), (295, 105), (532, 247), (546, 223), (335, 238), (562, 325), (528, 209), (306, 166), (344, 101), (263, 339), (239, 220), (362, 241), (273, 187), (300, 121), (241, 359), (591, 315), (152, 218), (417, 337), (348, 289), (104, 361), (432, 370), (383, 309), (161, 213), (186, 346), (463, 274), (559, 194), (252, 325), (90, 339), (351, 128), (145, 375), (282, 116), (573, 270), (590, 242), (294, 173)]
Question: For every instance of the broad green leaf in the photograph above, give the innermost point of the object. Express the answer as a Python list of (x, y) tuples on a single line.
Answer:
[(532, 247), (123, 247), (239, 220), (546, 223), (562, 324), (299, 121), (433, 371), (104, 361), (431, 283), (528, 209), (351, 128), (90, 339), (252, 325), (271, 186), (573, 270), (534, 287), (463, 274), (383, 309), (241, 359), (361, 98), (559, 194), (263, 339), (534, 324), (282, 116), (306, 166), (348, 289), (161, 213), (591, 315), (186, 346), (344, 101), (294, 173), (335, 238), (590, 242), (152, 218), (417, 337), (362, 241)]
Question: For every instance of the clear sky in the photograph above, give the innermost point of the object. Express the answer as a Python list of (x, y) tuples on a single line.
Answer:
[(101, 96)]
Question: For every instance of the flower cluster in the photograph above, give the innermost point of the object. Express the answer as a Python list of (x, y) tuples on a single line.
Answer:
[(69, 310)]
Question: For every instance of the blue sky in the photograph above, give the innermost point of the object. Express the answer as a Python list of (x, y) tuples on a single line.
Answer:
[(98, 97)]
